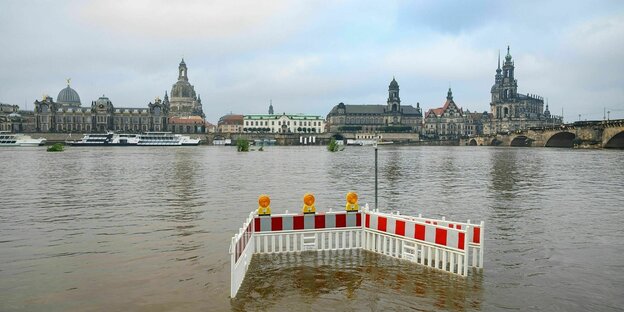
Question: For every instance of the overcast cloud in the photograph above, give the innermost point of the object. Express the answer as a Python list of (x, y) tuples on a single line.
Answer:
[(308, 56)]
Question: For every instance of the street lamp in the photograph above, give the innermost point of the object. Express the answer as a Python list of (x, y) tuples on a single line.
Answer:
[(608, 115), (375, 146)]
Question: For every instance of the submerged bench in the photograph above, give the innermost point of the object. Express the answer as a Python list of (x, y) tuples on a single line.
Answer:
[(436, 243)]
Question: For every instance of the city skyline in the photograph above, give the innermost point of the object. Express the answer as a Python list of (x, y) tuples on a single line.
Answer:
[(240, 55)]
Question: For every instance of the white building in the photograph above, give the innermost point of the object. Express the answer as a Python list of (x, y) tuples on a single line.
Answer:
[(283, 123)]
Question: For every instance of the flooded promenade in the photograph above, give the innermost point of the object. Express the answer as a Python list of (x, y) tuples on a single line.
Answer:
[(148, 229)]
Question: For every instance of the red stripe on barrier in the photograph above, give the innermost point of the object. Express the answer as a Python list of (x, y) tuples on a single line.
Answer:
[(358, 219), (381, 223), (400, 227), (341, 220), (461, 240), (428, 222), (419, 232), (298, 223), (476, 236), (452, 226), (276, 224), (459, 226), (368, 221), (319, 221), (440, 237), (257, 225)]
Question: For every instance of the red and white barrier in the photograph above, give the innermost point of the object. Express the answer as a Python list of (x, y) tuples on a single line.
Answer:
[(294, 222), (475, 235), (439, 244), (241, 251)]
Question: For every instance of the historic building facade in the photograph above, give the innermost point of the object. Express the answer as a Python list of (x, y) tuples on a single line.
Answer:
[(230, 124), (392, 117), (190, 124), (446, 122), (66, 114), (270, 123), (184, 102), (13, 119), (511, 110), (474, 122), (182, 114)]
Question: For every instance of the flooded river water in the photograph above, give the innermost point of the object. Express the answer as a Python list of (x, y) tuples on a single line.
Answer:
[(148, 229)]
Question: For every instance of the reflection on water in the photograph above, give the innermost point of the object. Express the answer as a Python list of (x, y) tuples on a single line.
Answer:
[(342, 280), (149, 228)]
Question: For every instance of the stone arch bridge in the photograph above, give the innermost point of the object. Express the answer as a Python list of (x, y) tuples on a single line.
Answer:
[(583, 134)]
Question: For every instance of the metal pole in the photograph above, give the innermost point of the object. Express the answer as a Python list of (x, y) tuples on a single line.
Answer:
[(375, 176)]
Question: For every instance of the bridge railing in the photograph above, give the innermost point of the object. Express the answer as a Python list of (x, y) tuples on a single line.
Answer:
[(416, 239)]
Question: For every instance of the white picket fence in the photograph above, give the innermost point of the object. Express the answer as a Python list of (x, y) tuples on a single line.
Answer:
[(257, 236)]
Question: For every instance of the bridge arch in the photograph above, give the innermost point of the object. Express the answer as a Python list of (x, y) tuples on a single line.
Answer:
[(561, 139), (338, 137), (616, 141), (521, 141), (472, 142)]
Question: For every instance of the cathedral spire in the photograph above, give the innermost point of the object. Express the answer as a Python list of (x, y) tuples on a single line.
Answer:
[(498, 61)]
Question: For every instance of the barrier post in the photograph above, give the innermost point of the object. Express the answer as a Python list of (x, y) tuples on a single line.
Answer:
[(232, 263), (466, 248), (481, 244)]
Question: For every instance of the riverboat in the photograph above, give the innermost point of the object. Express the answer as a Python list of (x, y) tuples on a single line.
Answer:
[(18, 139), (166, 139), (124, 139), (105, 139), (361, 142), (224, 142)]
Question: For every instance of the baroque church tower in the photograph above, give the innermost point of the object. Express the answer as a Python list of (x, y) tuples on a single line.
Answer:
[(512, 110), (505, 90), (394, 101), (184, 101)]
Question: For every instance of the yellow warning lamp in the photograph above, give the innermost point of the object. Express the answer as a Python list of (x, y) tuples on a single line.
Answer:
[(352, 204), (264, 208), (308, 203)]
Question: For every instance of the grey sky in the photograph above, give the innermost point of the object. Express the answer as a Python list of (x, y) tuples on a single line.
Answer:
[(307, 56)]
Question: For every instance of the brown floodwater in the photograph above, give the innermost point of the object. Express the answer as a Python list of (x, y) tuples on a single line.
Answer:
[(148, 229)]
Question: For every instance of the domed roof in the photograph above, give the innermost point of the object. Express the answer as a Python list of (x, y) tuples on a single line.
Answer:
[(102, 100), (68, 96), (393, 84), (183, 89)]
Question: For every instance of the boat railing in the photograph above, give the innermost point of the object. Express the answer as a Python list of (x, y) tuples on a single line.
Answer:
[(436, 246)]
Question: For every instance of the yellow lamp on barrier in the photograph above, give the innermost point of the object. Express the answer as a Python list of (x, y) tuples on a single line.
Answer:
[(264, 208), (352, 204), (308, 203)]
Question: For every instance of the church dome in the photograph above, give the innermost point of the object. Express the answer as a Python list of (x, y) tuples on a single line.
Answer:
[(183, 89), (68, 96)]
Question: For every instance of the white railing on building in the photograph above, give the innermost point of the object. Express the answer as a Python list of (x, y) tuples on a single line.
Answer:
[(435, 243)]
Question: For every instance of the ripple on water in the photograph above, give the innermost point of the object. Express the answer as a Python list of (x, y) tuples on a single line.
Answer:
[(148, 229)]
